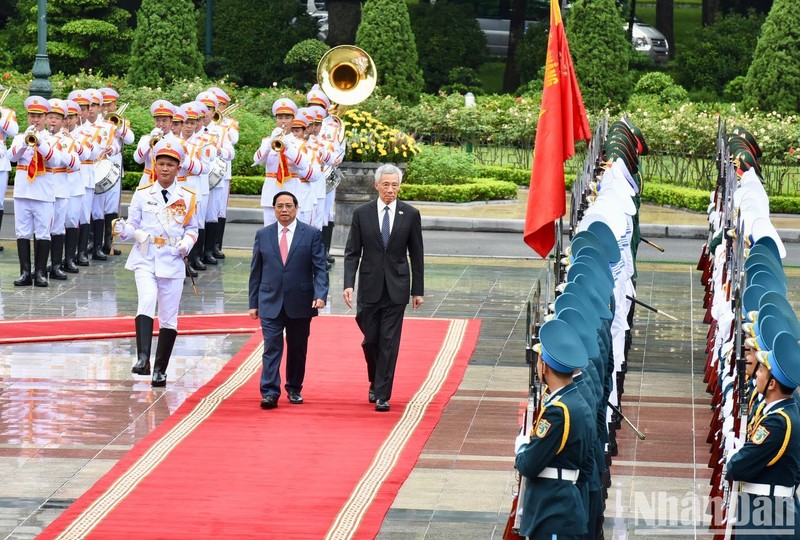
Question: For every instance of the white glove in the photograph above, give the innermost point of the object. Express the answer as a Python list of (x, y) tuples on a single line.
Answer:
[(119, 226), (520, 441), (140, 236), (277, 132), (157, 132), (184, 246)]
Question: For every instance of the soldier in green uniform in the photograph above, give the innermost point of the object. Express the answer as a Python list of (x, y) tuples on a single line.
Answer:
[(768, 464), (551, 456)]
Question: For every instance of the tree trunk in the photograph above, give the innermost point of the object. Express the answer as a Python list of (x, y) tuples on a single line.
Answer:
[(516, 35), (343, 19), (664, 22), (709, 15)]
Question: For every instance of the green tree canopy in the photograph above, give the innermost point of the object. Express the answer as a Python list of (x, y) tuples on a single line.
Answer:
[(773, 80), (251, 39), (600, 51), (82, 35), (385, 33), (165, 43)]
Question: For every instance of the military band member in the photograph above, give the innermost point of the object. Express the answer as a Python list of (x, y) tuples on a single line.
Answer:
[(76, 188), (85, 131), (768, 463), (305, 192), (162, 112), (217, 196), (178, 118), (162, 221), (8, 128), (124, 135), (61, 179), (36, 154), (231, 126), (283, 161), (551, 456), (103, 204)]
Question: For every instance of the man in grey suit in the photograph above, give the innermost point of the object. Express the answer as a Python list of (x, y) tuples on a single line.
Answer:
[(384, 235), (288, 284)]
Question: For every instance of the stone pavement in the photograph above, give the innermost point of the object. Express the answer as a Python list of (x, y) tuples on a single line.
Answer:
[(69, 411)]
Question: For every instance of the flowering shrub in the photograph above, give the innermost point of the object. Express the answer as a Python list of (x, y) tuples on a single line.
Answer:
[(368, 139)]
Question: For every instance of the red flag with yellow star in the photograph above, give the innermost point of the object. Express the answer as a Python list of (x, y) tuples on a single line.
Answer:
[(562, 121)]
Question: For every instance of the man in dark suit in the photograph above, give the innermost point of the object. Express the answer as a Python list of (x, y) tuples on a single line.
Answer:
[(384, 235), (288, 284)]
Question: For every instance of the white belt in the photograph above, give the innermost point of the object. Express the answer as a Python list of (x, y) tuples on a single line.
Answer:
[(767, 489), (560, 474)]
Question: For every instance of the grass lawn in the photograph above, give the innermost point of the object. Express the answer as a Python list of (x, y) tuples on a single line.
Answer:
[(491, 76), (686, 20)]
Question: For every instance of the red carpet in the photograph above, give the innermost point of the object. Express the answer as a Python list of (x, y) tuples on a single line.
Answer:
[(221, 467), (69, 329)]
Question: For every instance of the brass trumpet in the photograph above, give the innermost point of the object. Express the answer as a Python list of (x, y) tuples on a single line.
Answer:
[(154, 141), (116, 116), (31, 139), (219, 115), (278, 144)]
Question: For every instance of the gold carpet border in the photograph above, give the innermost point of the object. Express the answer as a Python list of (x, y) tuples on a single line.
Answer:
[(352, 512), (95, 513)]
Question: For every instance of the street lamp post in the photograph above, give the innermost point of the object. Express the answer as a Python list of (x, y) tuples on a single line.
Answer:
[(41, 65)]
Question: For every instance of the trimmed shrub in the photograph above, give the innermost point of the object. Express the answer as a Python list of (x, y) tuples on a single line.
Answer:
[(165, 43), (82, 34), (532, 52), (773, 80), (463, 80), (714, 55), (675, 196), (302, 60), (734, 90), (252, 38), (480, 189), (597, 40), (385, 33), (520, 177), (448, 36), (441, 165)]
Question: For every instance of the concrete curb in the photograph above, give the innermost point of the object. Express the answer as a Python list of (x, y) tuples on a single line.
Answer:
[(440, 223)]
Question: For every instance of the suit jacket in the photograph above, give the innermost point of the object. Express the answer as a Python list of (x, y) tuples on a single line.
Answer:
[(295, 285), (365, 254)]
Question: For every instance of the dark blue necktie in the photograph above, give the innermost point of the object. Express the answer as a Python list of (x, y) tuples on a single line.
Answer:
[(165, 193), (385, 227)]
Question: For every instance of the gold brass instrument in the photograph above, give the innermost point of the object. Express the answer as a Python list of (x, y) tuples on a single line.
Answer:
[(154, 141), (219, 115), (31, 139), (347, 75), (277, 144), (116, 116)]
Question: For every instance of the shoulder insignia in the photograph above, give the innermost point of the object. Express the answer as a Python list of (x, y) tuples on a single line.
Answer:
[(760, 435), (542, 427), (144, 186)]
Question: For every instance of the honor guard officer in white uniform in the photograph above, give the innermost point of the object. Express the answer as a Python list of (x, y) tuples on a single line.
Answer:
[(162, 112), (217, 193), (8, 128), (162, 221), (77, 191), (305, 193), (178, 118), (36, 154), (86, 132), (124, 135), (55, 120), (231, 128), (280, 154)]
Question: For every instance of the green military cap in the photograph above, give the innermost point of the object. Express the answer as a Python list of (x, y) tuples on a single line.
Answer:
[(749, 138), (783, 360)]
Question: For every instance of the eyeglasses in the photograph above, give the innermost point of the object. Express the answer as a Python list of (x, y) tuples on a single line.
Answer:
[(284, 206)]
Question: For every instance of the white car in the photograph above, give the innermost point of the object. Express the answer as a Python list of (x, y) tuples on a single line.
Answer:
[(649, 40)]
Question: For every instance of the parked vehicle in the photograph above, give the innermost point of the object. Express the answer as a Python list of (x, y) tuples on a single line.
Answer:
[(647, 39)]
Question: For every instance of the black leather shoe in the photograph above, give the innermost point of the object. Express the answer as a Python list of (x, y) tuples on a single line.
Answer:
[(159, 379), (269, 402), (382, 405), (295, 398), (372, 397), (191, 272)]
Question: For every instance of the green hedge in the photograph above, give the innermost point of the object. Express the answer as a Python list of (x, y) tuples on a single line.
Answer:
[(520, 177), (481, 189), (676, 197), (240, 185)]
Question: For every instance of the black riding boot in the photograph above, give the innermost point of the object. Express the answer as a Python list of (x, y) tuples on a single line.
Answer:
[(108, 234), (24, 251), (41, 250), (196, 253), (71, 250), (218, 242), (83, 244), (56, 257), (98, 228), (166, 341), (208, 243), (144, 340), (1, 222)]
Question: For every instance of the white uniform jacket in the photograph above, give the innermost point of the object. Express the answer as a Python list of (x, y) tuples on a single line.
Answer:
[(160, 229)]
